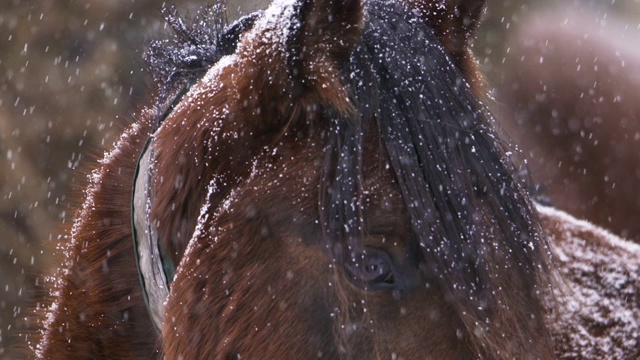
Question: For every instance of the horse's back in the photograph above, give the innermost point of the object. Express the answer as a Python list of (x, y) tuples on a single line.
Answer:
[(598, 312)]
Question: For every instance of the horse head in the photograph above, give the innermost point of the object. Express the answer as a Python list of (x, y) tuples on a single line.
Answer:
[(334, 187), (318, 180)]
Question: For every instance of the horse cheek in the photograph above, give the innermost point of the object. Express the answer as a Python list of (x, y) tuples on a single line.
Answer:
[(250, 287)]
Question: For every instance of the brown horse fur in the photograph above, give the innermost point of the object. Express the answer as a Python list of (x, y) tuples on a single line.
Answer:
[(97, 308), (264, 85), (571, 91), (280, 177), (455, 22), (598, 316)]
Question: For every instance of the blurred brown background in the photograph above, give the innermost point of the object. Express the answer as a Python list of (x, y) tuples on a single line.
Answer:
[(71, 76)]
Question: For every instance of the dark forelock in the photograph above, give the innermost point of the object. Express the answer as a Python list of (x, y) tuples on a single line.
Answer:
[(448, 161)]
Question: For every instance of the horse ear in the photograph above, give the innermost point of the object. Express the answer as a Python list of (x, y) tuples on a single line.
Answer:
[(454, 21), (322, 37), (334, 25)]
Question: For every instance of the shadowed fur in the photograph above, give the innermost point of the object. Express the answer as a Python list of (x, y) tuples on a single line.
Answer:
[(331, 187)]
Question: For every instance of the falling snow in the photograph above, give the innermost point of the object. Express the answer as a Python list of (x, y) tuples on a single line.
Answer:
[(70, 81)]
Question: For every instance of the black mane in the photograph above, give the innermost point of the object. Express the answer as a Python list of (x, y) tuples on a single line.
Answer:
[(193, 48), (466, 205)]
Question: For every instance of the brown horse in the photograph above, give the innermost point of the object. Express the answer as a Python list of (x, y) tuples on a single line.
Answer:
[(326, 183)]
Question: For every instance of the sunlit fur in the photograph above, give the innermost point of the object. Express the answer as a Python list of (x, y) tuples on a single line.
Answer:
[(97, 308), (334, 129)]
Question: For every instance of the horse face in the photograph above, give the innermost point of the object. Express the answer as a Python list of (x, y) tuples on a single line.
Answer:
[(260, 282), (340, 214)]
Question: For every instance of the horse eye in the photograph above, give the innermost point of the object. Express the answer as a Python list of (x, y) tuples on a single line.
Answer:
[(372, 270)]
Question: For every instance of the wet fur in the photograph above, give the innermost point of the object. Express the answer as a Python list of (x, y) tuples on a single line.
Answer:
[(98, 309), (270, 152)]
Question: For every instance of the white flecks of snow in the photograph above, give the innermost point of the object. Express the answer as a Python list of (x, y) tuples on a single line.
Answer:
[(209, 84), (274, 26), (95, 182), (597, 316)]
